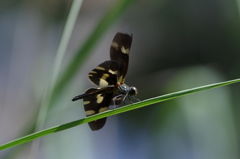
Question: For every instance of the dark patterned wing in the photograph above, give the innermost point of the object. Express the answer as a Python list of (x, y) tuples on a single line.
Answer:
[(104, 74), (97, 103), (119, 52)]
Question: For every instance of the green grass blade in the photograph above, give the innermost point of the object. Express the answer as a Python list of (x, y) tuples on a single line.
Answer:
[(113, 112), (110, 17), (61, 51), (58, 60)]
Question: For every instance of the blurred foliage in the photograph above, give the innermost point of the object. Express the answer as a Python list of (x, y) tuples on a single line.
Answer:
[(52, 10)]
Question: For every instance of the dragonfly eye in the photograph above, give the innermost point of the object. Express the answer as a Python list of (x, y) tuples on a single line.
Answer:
[(133, 91)]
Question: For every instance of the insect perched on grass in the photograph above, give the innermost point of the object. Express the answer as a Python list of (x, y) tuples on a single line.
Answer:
[(110, 76)]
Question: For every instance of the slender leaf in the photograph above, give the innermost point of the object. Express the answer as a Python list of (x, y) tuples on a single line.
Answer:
[(113, 112)]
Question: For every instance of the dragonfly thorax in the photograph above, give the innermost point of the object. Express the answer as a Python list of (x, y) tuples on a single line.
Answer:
[(126, 90)]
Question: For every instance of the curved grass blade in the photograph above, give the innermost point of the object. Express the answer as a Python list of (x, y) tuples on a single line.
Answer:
[(113, 112)]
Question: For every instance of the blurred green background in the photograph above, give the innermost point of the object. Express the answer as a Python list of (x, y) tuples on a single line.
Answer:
[(177, 44)]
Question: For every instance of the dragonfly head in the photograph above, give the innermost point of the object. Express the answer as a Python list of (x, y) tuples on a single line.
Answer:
[(133, 91)]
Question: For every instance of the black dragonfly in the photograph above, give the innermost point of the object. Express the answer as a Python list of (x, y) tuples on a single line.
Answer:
[(110, 76)]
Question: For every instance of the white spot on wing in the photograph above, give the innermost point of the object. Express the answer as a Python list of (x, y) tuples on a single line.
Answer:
[(90, 112), (105, 76), (86, 102), (112, 72), (99, 98), (92, 72), (114, 44), (103, 83), (120, 80), (125, 51), (100, 68), (103, 109)]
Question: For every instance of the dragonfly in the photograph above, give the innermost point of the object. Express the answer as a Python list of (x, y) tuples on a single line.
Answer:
[(110, 77)]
